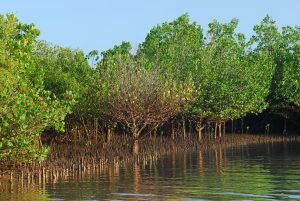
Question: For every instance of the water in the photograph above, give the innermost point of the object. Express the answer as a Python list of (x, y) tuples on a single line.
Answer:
[(256, 172)]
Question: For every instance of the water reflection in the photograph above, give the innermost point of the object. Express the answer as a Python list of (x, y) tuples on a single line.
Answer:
[(260, 172)]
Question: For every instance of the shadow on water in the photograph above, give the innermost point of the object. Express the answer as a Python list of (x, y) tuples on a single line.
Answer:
[(163, 169)]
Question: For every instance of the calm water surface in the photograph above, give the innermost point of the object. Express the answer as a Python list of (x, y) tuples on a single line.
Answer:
[(257, 172)]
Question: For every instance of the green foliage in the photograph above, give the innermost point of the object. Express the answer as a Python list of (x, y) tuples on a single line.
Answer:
[(67, 74), (283, 51), (290, 84), (230, 78), (26, 109), (233, 81), (174, 47)]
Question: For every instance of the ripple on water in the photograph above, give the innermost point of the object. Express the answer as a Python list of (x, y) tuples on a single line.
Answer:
[(246, 195)]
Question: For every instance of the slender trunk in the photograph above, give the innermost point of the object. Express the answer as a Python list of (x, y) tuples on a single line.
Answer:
[(183, 129), (135, 147), (220, 128), (284, 127), (173, 131), (76, 134), (108, 135), (199, 129), (199, 134), (224, 128), (86, 131), (155, 133), (79, 134), (190, 127), (242, 125), (216, 129), (96, 129), (231, 126)]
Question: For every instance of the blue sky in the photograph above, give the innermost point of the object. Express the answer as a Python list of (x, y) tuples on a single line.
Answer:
[(92, 24)]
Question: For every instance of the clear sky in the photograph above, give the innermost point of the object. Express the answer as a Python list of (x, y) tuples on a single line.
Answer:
[(99, 24)]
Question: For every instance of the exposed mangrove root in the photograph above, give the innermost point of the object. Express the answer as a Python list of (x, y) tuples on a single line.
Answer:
[(67, 159)]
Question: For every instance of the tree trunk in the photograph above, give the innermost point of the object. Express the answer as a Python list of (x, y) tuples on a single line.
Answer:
[(136, 133), (76, 134), (108, 135), (220, 128), (199, 129), (96, 129), (183, 129), (86, 131), (135, 149), (173, 131), (199, 134), (242, 125), (231, 126), (216, 129), (190, 127), (284, 127), (224, 128)]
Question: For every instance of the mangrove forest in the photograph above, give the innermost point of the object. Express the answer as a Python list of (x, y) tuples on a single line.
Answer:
[(181, 81)]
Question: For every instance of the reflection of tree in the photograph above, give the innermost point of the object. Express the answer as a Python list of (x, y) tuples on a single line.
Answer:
[(215, 174), (184, 164), (228, 171), (218, 158), (173, 164), (200, 161), (136, 178), (286, 172), (22, 192)]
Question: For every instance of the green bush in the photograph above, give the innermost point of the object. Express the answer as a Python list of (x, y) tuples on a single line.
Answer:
[(26, 109)]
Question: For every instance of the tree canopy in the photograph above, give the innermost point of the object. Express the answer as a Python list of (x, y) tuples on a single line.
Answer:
[(26, 108), (178, 71)]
